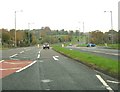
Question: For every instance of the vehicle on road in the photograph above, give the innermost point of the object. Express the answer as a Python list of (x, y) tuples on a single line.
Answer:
[(91, 45), (46, 46)]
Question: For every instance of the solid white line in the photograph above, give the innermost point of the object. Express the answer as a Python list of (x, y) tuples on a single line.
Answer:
[(26, 66), (13, 55), (104, 83), (2, 61)]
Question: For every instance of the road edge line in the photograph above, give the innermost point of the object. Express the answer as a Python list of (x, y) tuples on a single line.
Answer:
[(26, 66)]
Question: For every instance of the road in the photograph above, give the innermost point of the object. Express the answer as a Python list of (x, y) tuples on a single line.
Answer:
[(49, 70), (107, 53)]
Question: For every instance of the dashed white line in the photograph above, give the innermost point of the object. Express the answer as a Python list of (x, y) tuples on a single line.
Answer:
[(104, 83), (26, 66), (39, 53), (13, 55), (38, 56), (21, 52)]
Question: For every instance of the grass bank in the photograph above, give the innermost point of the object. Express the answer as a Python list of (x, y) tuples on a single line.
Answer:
[(106, 65)]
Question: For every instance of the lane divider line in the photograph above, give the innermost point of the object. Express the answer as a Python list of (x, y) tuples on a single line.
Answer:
[(21, 52), (38, 56), (13, 55), (26, 66), (104, 83)]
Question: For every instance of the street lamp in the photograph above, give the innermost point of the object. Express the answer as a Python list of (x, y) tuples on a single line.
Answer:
[(111, 24), (15, 26)]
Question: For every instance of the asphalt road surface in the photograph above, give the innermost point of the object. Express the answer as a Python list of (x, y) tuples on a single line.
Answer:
[(108, 53), (49, 70)]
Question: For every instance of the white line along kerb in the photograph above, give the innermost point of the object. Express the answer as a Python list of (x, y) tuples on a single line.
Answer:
[(104, 83), (26, 66)]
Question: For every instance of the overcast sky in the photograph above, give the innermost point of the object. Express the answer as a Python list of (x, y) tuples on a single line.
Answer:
[(59, 14)]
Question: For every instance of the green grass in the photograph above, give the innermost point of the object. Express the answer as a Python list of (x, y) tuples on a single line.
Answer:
[(105, 64)]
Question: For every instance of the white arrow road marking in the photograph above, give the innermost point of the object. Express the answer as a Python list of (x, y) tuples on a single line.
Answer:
[(55, 57), (26, 66), (104, 83), (113, 81)]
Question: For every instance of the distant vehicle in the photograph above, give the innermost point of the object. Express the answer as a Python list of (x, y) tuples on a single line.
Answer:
[(91, 45), (46, 46)]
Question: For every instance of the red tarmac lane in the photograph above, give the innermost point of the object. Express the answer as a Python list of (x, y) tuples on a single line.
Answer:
[(8, 67)]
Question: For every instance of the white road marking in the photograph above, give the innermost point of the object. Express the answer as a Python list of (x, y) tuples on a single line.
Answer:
[(21, 52), (11, 68), (55, 57), (38, 56), (113, 82), (16, 63), (13, 55), (104, 83), (2, 61), (26, 66), (39, 52), (46, 80)]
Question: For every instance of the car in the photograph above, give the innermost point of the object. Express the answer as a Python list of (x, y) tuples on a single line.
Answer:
[(46, 46), (91, 45)]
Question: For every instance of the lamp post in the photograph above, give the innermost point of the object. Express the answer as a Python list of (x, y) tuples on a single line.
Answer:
[(15, 26), (111, 24)]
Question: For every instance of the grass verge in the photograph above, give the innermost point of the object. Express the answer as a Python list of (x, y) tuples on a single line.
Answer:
[(105, 65)]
